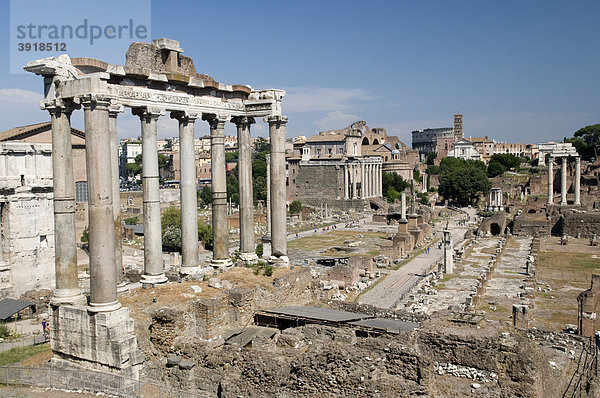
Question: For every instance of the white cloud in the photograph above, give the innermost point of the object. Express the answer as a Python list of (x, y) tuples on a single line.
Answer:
[(17, 96), (336, 120), (323, 99)]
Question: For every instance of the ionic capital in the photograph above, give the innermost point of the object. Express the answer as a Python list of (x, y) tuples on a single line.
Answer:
[(276, 119), (184, 116), (93, 101), (216, 122), (114, 109), (243, 122), (59, 105), (148, 112)]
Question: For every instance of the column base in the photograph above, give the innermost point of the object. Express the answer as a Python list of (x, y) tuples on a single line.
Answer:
[(225, 263), (104, 307), (122, 287), (153, 279), (282, 261), (183, 270), (249, 257), (67, 296)]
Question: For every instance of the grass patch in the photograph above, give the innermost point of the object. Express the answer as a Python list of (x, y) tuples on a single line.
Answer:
[(20, 353), (373, 253)]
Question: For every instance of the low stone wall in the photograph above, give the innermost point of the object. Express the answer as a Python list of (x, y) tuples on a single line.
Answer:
[(584, 225)]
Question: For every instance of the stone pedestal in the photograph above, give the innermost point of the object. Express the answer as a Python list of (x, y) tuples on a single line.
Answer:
[(104, 341)]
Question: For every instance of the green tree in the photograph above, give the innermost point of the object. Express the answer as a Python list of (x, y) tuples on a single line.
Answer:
[(231, 157), (295, 207), (431, 157), (591, 136), (392, 186), (462, 181), (171, 230), (495, 169), (205, 195)]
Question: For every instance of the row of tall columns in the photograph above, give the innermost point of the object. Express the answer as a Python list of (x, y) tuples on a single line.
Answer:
[(370, 177), (106, 268), (563, 181)]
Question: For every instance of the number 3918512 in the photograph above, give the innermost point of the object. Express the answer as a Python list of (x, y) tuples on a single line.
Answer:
[(42, 46)]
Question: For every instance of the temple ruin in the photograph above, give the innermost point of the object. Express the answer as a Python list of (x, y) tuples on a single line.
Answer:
[(155, 79)]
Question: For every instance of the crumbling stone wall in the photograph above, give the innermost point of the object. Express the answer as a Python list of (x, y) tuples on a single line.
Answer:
[(587, 303), (584, 225)]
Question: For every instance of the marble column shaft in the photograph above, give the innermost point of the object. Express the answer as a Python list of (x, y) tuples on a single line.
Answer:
[(268, 161), (65, 244), (219, 190), (187, 190), (353, 181), (577, 186), (403, 214), (563, 181), (345, 181), (153, 261), (550, 180), (103, 275), (113, 112), (278, 187), (247, 249)]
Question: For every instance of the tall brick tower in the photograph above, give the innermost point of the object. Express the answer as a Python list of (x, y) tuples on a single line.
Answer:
[(458, 126)]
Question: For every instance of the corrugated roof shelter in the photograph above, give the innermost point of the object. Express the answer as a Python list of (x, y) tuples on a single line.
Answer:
[(383, 325), (9, 307), (293, 316)]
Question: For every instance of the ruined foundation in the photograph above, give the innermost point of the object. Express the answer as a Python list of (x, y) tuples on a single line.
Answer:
[(103, 340)]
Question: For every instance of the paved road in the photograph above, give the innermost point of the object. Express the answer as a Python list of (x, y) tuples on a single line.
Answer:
[(389, 291)]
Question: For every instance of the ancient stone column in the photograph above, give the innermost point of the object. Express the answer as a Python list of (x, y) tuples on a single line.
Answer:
[(378, 179), (113, 112), (448, 252), (268, 161), (220, 257), (550, 180), (353, 168), (370, 180), (346, 182), (103, 271), (363, 180), (65, 245), (563, 181), (577, 186), (403, 205), (278, 189), (153, 262), (187, 192), (247, 249)]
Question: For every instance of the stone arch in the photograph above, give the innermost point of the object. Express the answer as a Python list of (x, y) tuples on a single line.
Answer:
[(532, 211), (365, 141), (375, 141), (495, 229)]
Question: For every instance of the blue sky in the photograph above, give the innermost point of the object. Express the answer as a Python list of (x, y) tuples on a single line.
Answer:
[(518, 71)]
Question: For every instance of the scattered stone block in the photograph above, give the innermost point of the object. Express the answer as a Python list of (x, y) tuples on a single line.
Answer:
[(186, 364), (196, 288), (173, 360)]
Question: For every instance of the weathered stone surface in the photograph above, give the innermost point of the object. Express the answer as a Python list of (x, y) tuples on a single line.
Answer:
[(104, 340)]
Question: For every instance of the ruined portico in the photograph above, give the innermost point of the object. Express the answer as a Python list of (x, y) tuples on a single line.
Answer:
[(563, 151), (155, 80)]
